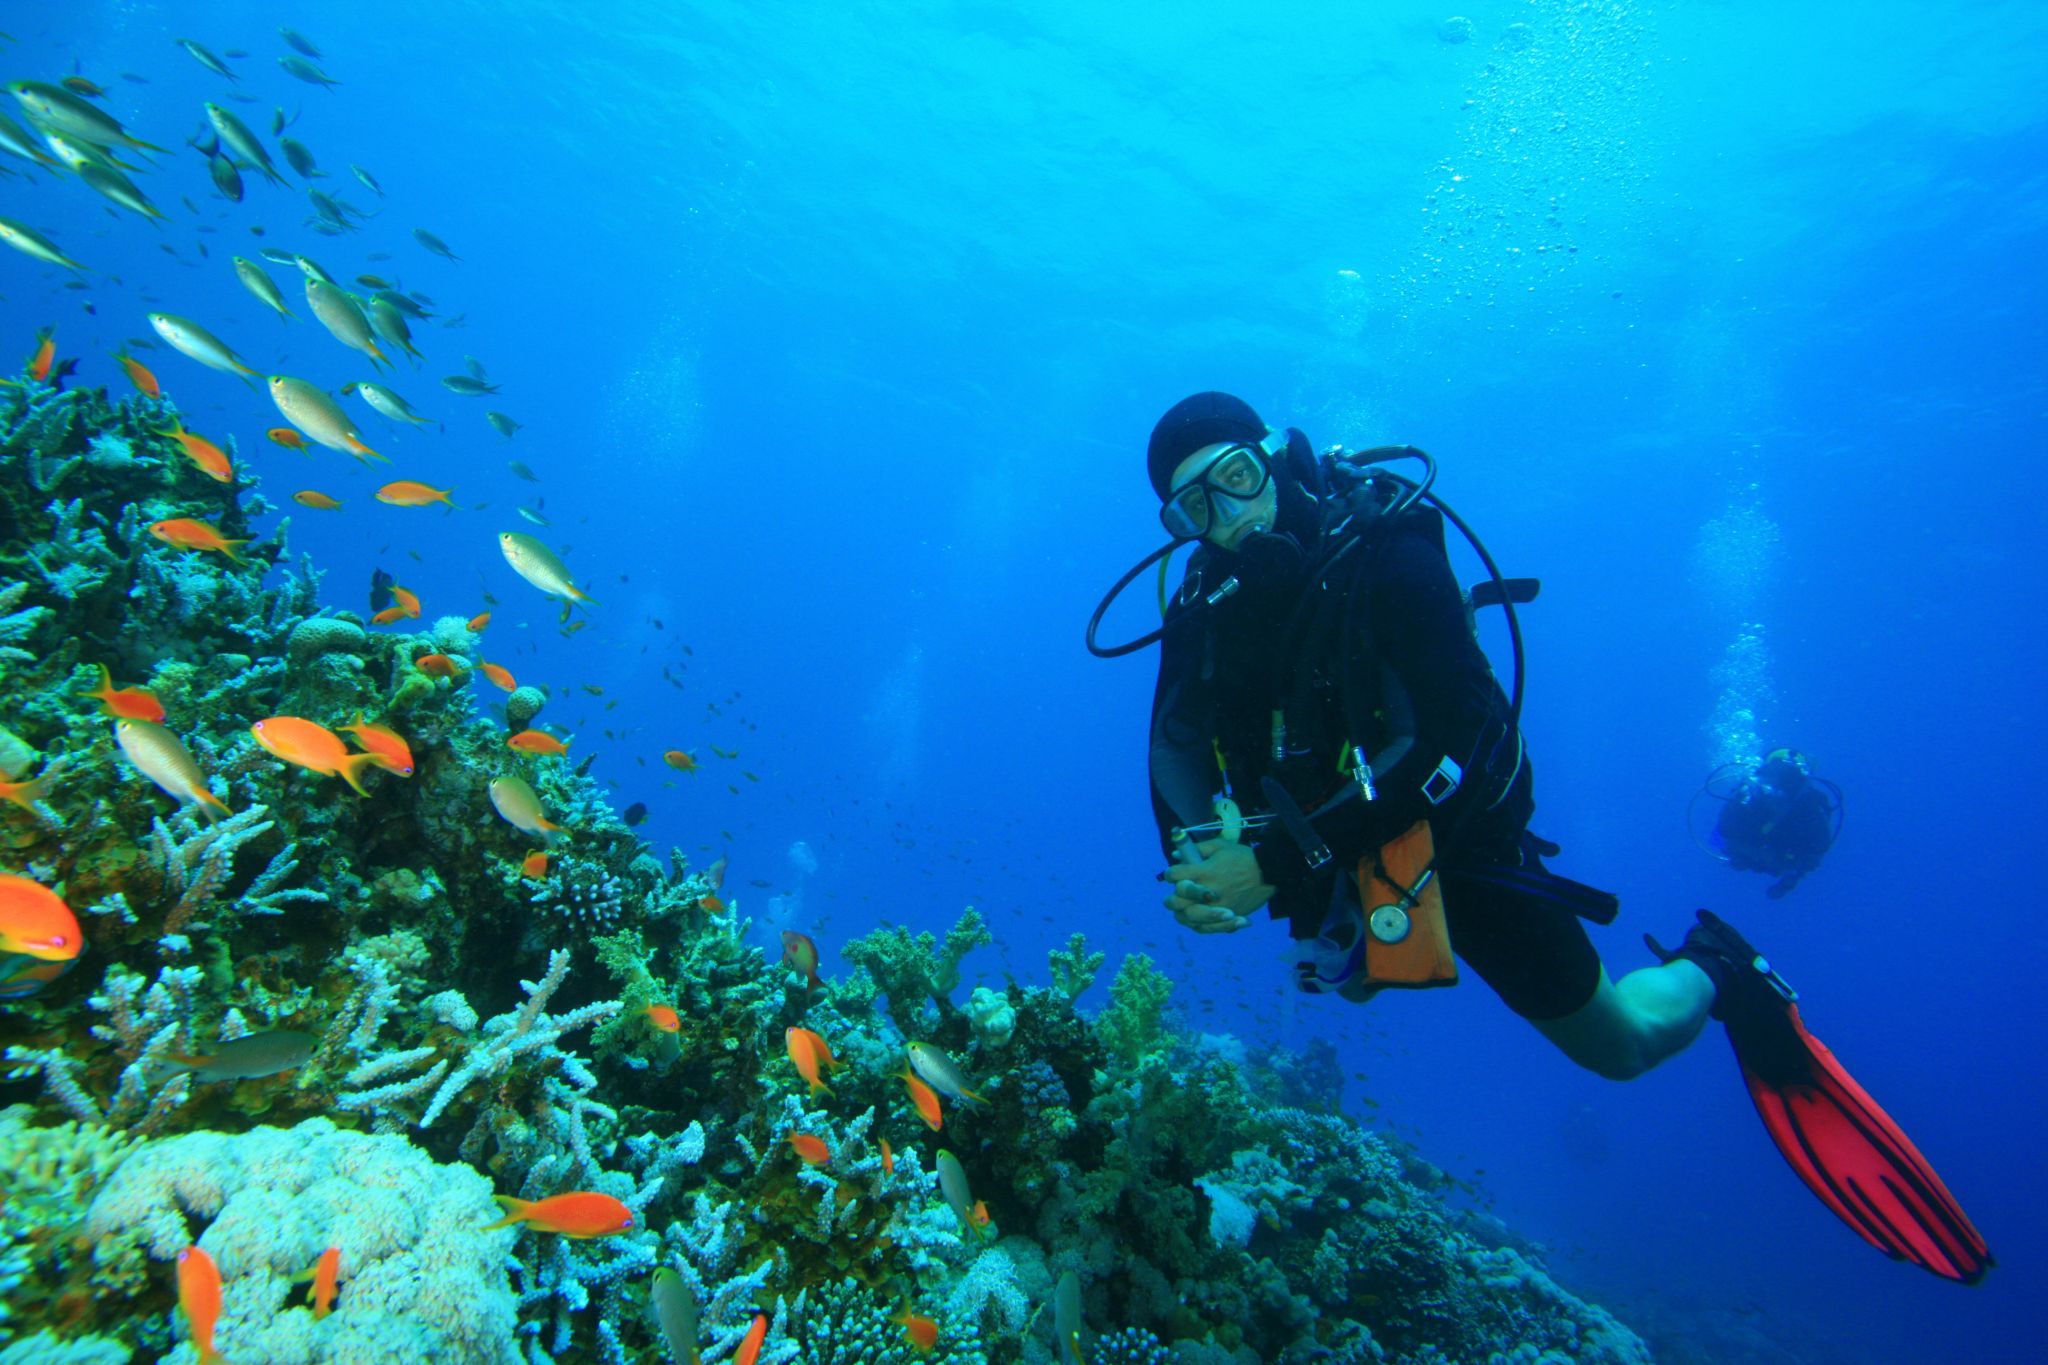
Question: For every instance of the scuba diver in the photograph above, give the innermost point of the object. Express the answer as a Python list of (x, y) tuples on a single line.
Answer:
[(1778, 819), (1329, 742)]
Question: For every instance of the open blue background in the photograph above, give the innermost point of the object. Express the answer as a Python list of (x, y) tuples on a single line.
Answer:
[(837, 331)]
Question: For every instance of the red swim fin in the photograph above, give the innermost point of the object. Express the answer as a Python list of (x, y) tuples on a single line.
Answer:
[(1862, 1165), (1836, 1138)]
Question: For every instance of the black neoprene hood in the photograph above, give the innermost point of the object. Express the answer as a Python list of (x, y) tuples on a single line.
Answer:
[(1199, 420)]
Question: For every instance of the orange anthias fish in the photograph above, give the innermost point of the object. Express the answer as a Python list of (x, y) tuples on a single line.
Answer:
[(314, 498), (537, 742), (210, 458), (384, 744), (139, 375), (500, 675), (188, 534), (750, 1345), (437, 666), (130, 703), (26, 793), (289, 438), (922, 1097), (980, 1217), (478, 622), (45, 355), (799, 952), (35, 920), (406, 598), (388, 615), (888, 1158), (812, 1149), (326, 1278), (810, 1053), (680, 761), (664, 1017), (711, 905), (199, 1296), (534, 866), (923, 1332), (407, 493), (580, 1215), (314, 748)]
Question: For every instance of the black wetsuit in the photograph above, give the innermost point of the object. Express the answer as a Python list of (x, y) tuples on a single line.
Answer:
[(1377, 650), (1778, 821)]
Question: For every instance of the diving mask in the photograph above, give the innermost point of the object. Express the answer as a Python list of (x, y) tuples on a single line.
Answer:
[(1223, 492)]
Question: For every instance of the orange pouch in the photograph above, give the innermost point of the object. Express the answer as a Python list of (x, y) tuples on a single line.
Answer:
[(1406, 942)]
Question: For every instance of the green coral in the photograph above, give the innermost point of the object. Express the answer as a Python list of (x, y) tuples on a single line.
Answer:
[(913, 970), (1074, 968), (49, 1176), (1134, 1025)]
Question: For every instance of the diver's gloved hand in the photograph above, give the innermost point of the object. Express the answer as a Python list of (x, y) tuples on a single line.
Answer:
[(1215, 895)]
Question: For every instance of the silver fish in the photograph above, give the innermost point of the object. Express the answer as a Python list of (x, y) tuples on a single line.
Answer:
[(313, 270), (299, 158), (226, 178), (161, 757), (941, 1073), (467, 386), (675, 1312), (18, 141), (235, 135), (191, 340), (56, 110), (299, 41), (502, 424), (338, 313), (207, 59), (387, 402), (307, 72), (403, 303), (118, 188), (540, 566), (433, 244), (390, 324), (307, 407), (258, 282), (369, 181), (29, 242)]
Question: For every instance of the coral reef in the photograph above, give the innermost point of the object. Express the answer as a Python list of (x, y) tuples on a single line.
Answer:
[(607, 1028)]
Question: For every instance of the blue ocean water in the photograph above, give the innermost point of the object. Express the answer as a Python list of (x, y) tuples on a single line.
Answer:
[(836, 333)]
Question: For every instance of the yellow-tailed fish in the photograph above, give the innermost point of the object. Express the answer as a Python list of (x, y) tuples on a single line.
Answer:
[(387, 402), (17, 141), (953, 1184), (236, 137), (387, 322), (520, 807), (941, 1073), (117, 188), (307, 407), (55, 108), (675, 1311), (540, 566), (341, 317), (1066, 1319), (162, 758), (194, 342), (257, 281), (29, 242)]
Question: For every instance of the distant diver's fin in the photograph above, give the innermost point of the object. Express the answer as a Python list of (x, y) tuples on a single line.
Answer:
[(1836, 1138), (1491, 592)]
